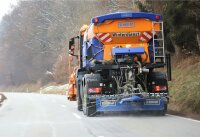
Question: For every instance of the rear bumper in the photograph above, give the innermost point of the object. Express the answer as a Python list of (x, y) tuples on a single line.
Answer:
[(104, 105)]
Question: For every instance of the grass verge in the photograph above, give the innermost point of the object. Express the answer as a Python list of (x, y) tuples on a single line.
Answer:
[(54, 89), (21, 88), (185, 86)]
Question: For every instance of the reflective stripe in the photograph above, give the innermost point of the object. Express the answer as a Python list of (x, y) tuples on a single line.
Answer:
[(146, 36), (150, 33), (105, 40), (99, 34), (109, 40), (104, 37)]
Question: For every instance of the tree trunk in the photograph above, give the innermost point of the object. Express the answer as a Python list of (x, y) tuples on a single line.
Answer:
[(198, 40), (176, 47), (177, 50)]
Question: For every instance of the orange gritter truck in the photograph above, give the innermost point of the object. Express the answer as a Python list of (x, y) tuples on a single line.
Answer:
[(122, 62)]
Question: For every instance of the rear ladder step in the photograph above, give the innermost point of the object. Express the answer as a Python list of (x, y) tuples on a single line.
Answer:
[(159, 50)]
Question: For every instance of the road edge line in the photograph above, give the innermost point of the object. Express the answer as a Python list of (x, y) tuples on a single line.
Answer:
[(190, 119), (77, 116)]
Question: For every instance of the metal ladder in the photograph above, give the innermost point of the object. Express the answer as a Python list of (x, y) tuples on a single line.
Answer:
[(159, 51)]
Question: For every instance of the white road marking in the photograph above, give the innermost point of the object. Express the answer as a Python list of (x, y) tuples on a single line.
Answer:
[(184, 118), (63, 106), (77, 116), (53, 130)]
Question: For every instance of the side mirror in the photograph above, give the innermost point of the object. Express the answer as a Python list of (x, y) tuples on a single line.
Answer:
[(71, 46)]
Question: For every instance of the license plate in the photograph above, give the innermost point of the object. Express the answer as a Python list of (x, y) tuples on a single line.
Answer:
[(108, 102), (152, 102), (126, 24)]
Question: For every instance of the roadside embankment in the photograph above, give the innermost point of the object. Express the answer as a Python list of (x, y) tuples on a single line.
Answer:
[(185, 87), (51, 88), (20, 88), (54, 89)]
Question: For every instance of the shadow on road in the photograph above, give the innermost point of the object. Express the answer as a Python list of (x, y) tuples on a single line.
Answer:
[(129, 114)]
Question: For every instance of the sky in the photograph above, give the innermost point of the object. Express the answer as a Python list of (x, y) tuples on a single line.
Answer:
[(5, 6)]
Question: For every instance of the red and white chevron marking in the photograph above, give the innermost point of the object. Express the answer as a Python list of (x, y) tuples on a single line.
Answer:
[(104, 37), (146, 36)]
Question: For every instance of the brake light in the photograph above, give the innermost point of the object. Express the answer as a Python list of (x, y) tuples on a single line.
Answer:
[(96, 20), (157, 17), (94, 90), (160, 88)]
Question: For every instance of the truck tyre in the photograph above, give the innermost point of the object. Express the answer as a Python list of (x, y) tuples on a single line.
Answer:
[(79, 104), (79, 100), (79, 76), (160, 79), (164, 111), (89, 107)]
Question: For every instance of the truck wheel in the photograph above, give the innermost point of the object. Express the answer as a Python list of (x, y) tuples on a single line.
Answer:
[(89, 108), (84, 109), (79, 100), (163, 112), (79, 104)]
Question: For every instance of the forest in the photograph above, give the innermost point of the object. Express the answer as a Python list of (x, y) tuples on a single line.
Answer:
[(34, 37)]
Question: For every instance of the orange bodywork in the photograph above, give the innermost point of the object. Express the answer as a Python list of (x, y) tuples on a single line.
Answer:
[(112, 27), (72, 86)]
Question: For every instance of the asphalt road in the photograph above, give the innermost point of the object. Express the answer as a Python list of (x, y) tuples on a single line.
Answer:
[(37, 115)]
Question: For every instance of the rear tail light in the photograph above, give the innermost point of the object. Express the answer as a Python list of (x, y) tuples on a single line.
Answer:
[(94, 90), (160, 88), (157, 17), (96, 20)]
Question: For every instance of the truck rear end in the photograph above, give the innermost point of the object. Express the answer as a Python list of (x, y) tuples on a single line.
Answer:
[(119, 56)]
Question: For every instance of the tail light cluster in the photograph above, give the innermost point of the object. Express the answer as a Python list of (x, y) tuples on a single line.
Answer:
[(157, 17), (160, 88), (94, 90), (96, 20)]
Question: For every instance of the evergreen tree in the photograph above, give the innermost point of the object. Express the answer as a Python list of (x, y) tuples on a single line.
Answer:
[(181, 19)]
